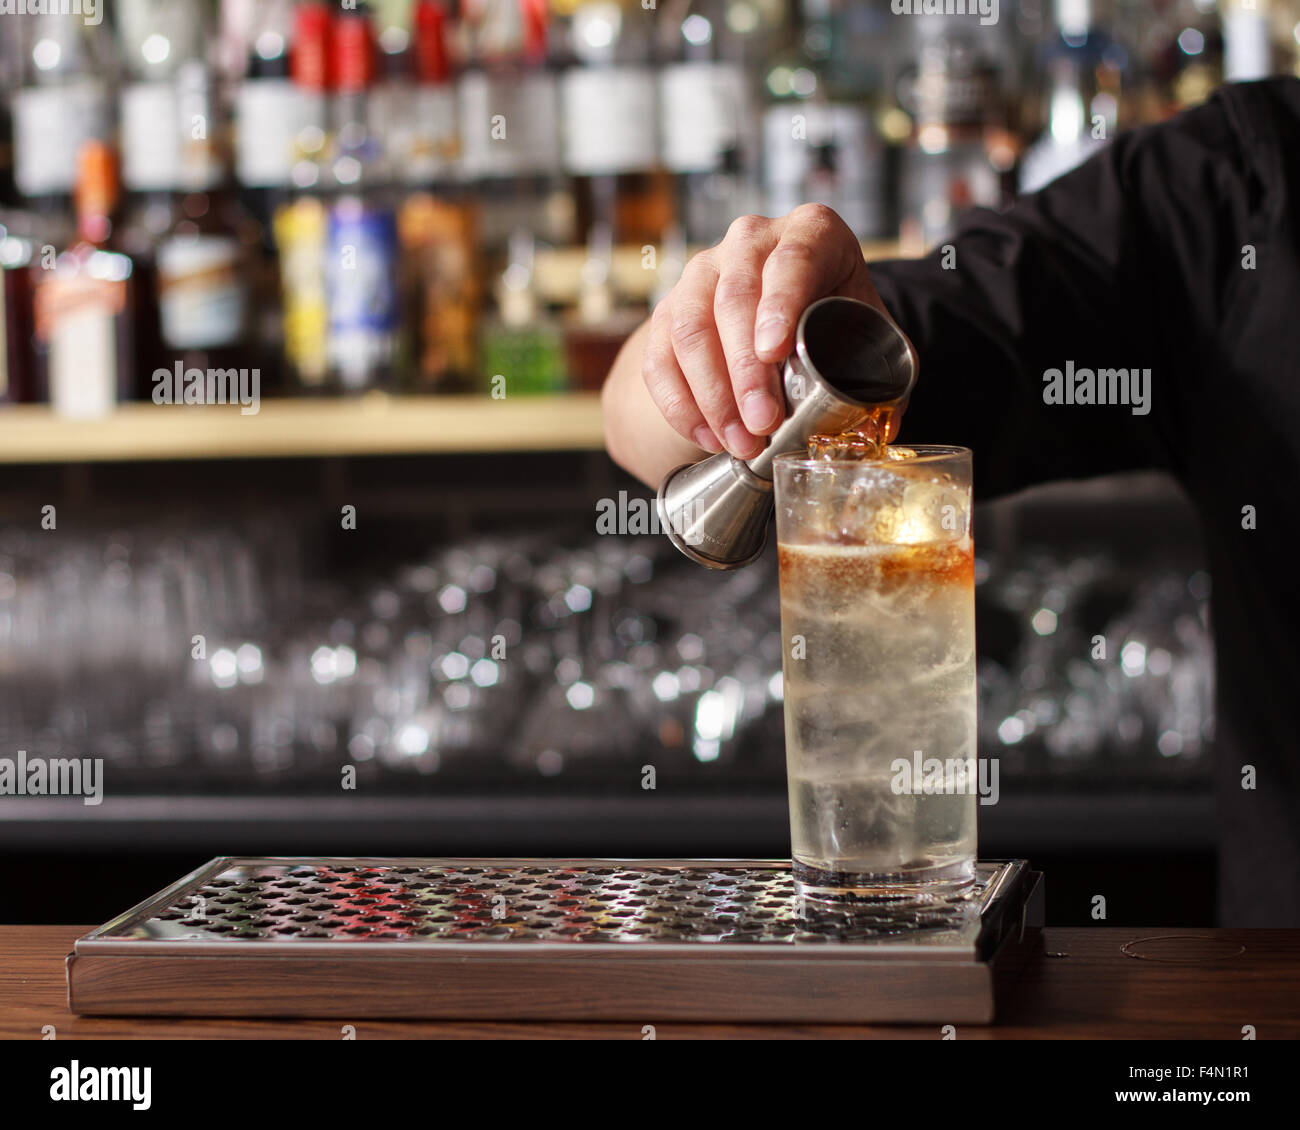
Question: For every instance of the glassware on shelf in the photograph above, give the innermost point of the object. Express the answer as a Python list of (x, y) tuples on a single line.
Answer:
[(233, 655)]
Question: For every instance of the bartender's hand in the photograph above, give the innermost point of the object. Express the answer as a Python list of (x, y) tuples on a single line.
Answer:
[(703, 373)]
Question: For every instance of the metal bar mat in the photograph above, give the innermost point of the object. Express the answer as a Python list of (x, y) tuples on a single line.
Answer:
[(549, 939)]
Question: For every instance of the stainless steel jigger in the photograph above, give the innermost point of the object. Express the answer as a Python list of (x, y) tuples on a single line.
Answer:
[(848, 359)]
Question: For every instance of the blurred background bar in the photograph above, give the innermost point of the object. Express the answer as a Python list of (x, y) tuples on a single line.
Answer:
[(427, 228)]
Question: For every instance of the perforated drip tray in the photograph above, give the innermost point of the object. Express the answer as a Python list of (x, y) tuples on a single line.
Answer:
[(544, 939)]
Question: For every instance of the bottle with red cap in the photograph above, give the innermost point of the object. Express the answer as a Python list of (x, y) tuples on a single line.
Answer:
[(299, 223), (361, 288), (413, 107), (437, 219), (311, 67), (509, 103)]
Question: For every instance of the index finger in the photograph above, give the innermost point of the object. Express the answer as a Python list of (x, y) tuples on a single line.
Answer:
[(816, 255)]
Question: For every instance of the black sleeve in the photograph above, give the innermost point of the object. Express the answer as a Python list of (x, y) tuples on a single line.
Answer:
[(1127, 262)]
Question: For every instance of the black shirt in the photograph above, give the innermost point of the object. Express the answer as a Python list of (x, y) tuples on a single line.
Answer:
[(1175, 249)]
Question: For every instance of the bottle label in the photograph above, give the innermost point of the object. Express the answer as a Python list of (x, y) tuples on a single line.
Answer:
[(62, 296), (362, 256), (83, 370), (791, 154), (201, 302), (361, 267), (421, 128), (151, 136), (609, 120), (269, 113), (300, 238), (530, 358), (509, 124), (49, 125), (704, 112), (1247, 46), (437, 244), (76, 317)]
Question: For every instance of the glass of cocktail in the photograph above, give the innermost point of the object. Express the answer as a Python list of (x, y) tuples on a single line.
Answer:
[(878, 627)]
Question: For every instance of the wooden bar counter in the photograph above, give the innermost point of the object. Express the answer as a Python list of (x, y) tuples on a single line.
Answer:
[(1105, 983)]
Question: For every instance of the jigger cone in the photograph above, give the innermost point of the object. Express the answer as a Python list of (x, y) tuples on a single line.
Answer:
[(848, 359)]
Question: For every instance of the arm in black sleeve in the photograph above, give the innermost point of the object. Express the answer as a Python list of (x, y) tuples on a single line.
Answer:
[(1124, 263)]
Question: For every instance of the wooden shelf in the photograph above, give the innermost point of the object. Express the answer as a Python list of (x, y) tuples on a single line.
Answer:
[(374, 424)]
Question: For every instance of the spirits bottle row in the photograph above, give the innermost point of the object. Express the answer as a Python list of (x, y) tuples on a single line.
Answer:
[(351, 196)]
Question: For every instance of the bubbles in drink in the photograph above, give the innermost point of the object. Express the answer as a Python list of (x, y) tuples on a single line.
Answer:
[(886, 667)]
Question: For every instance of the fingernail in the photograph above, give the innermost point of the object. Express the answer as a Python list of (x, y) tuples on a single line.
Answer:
[(769, 334), (705, 438), (739, 442), (760, 411)]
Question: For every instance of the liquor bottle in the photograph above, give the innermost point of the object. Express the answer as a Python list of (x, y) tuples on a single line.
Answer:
[(299, 222), (10, 80), (438, 239), (1255, 38), (361, 240), (707, 113), (437, 223), (16, 381), (609, 111), (1086, 69), (523, 347), (312, 61), (62, 104), (509, 122), (271, 111), (816, 149), (83, 307), (959, 154), (204, 262), (157, 36), (414, 108), (191, 243), (597, 329)]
